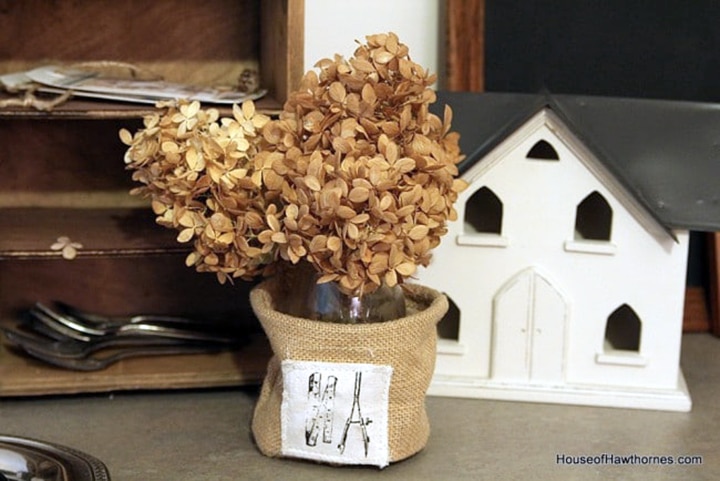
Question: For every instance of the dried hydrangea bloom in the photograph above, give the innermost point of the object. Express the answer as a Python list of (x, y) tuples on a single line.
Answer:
[(201, 173), (373, 170), (356, 176)]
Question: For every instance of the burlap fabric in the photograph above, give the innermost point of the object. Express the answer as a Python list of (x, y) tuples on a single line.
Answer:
[(407, 344)]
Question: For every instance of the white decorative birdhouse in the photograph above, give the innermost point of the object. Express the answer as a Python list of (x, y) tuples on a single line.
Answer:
[(566, 268)]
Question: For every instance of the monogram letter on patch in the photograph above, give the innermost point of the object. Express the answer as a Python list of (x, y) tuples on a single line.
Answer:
[(336, 412)]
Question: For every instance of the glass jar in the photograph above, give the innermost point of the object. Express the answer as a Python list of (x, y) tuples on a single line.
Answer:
[(303, 297)]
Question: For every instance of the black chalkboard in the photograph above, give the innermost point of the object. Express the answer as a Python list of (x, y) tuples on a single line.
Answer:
[(636, 48), (661, 49)]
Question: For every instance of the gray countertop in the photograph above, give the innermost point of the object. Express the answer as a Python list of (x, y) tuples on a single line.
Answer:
[(205, 435)]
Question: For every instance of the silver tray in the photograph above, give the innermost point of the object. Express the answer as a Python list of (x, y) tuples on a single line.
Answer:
[(24, 459)]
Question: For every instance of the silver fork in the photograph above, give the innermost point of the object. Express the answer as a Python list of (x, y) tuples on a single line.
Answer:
[(70, 327), (73, 349), (97, 321)]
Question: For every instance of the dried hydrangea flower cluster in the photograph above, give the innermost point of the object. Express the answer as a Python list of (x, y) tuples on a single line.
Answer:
[(356, 176), (202, 174)]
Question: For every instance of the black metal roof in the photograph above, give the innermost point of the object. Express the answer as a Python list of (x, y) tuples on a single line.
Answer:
[(665, 153)]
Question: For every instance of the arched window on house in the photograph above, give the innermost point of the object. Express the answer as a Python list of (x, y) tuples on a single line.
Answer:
[(593, 218), (483, 213), (542, 150), (623, 330), (449, 325)]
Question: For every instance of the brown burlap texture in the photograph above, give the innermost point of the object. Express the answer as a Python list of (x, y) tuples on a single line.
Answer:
[(407, 344)]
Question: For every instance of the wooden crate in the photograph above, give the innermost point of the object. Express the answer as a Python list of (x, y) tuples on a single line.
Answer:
[(63, 175), (205, 43)]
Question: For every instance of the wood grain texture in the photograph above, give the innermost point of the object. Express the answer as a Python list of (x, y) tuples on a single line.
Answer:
[(21, 375), (204, 43), (282, 46), (193, 42), (154, 284), (696, 317), (465, 45), (714, 297), (45, 155), (80, 109), (29, 232)]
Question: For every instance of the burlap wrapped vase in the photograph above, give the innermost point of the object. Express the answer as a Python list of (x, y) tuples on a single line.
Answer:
[(347, 393)]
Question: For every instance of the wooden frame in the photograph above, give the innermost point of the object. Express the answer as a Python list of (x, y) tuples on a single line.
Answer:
[(702, 303), (282, 46), (714, 283), (465, 23), (696, 316)]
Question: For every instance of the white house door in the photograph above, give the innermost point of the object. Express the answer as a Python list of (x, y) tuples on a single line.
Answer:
[(529, 317)]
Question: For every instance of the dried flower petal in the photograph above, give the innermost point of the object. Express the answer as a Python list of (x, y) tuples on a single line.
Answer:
[(68, 249)]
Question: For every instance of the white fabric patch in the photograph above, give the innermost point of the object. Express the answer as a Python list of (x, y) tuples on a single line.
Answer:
[(336, 412)]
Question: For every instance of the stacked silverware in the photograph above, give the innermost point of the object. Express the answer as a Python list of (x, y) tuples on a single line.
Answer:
[(68, 337)]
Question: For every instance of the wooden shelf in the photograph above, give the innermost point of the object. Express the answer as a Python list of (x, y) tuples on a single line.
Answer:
[(203, 43), (206, 43), (30, 232), (64, 175), (21, 375), (80, 109)]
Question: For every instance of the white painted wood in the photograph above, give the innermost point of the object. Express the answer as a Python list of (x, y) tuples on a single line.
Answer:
[(333, 26), (583, 281), (511, 329), (528, 319), (548, 333), (676, 399)]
